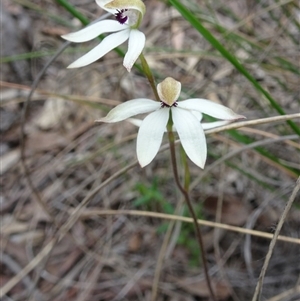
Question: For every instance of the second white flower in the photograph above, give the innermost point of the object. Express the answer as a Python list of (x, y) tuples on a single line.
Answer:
[(129, 14), (186, 116)]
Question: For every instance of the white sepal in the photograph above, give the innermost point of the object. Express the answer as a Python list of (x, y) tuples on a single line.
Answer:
[(110, 42), (92, 31), (136, 45), (130, 108), (191, 135), (210, 108), (150, 135)]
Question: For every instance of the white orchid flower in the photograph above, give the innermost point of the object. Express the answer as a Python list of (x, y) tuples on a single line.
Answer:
[(186, 116), (128, 14)]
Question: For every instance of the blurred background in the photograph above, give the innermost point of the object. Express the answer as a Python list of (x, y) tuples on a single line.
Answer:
[(54, 158)]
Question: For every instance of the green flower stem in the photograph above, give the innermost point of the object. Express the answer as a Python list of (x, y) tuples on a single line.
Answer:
[(149, 75), (73, 11), (187, 174), (185, 193)]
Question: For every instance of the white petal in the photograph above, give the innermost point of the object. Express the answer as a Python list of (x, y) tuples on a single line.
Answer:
[(108, 43), (90, 32), (138, 123), (191, 135), (198, 115), (210, 108), (214, 124), (135, 121), (130, 108), (209, 125), (136, 45), (150, 135)]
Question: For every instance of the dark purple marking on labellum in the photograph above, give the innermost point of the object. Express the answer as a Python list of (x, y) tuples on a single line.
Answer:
[(120, 16), (163, 105)]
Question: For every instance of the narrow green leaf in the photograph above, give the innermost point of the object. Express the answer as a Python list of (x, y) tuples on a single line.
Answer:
[(232, 59), (73, 11)]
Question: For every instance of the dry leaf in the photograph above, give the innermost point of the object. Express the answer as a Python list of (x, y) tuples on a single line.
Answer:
[(177, 35), (234, 212), (53, 112), (224, 71), (200, 289), (45, 141), (35, 237), (135, 242), (9, 160), (13, 226)]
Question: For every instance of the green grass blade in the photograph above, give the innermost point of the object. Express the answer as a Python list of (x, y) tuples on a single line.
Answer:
[(73, 11), (217, 45), (37, 9)]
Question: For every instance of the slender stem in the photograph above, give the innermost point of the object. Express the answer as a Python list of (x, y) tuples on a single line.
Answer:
[(259, 285), (26, 171), (149, 75), (187, 174), (184, 190), (190, 206)]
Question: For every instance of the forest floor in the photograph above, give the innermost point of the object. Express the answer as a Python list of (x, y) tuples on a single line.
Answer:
[(81, 220)]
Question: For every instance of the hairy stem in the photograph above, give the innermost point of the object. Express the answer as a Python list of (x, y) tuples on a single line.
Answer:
[(149, 75), (187, 175), (183, 190), (190, 206)]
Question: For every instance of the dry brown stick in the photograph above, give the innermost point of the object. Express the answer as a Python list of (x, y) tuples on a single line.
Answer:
[(185, 192), (288, 293), (91, 282), (10, 284), (258, 289), (160, 259), (32, 264), (239, 150), (61, 233), (93, 212), (252, 122), (87, 213), (26, 171), (217, 234), (266, 134), (162, 253), (15, 268)]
